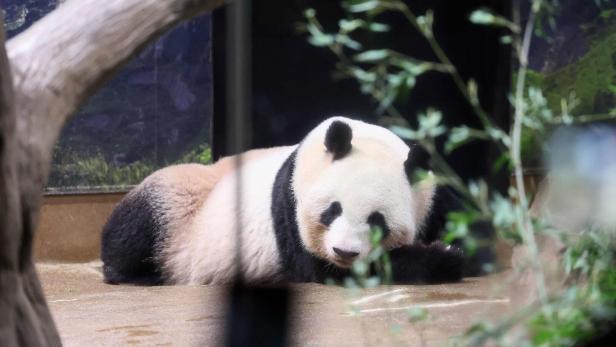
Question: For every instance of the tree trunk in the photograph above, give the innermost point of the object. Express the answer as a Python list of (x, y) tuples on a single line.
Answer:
[(45, 74)]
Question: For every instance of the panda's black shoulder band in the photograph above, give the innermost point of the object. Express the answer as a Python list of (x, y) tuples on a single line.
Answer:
[(338, 139)]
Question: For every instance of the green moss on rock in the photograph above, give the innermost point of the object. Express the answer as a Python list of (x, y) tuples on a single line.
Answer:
[(592, 78)]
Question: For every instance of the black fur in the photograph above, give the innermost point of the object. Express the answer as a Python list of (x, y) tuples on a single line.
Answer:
[(474, 264), (426, 264), (298, 265), (377, 219), (411, 264), (346, 255), (133, 232), (338, 139), (331, 213), (128, 242), (417, 159), (446, 200)]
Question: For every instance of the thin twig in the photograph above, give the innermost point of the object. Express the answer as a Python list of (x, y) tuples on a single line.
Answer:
[(585, 118), (523, 218), (444, 59)]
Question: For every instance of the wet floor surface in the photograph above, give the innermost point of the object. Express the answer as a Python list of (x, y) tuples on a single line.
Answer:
[(91, 313)]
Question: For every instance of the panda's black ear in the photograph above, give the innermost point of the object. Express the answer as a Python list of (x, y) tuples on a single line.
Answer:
[(338, 139), (417, 159)]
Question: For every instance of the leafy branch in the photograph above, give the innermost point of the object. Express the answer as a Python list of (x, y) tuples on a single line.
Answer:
[(385, 75), (524, 221)]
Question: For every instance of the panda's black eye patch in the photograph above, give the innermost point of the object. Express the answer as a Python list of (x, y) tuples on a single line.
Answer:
[(331, 213), (377, 219)]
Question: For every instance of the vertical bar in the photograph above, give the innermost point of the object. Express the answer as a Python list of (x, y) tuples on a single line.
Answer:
[(238, 76), (258, 315), (238, 96)]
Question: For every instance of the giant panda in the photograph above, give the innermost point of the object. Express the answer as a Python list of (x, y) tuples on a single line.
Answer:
[(305, 215)]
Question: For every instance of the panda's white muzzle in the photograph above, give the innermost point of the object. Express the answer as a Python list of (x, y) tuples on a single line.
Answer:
[(345, 243)]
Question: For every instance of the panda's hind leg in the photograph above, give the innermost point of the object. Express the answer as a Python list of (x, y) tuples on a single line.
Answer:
[(129, 242)]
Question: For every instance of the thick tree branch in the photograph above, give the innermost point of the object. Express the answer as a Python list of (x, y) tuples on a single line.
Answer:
[(66, 55), (25, 318), (45, 74), (9, 198)]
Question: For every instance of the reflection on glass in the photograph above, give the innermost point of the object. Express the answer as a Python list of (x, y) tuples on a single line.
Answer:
[(153, 113)]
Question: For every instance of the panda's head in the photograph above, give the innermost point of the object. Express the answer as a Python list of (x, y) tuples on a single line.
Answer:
[(351, 176)]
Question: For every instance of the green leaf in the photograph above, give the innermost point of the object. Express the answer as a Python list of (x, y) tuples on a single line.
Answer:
[(485, 16), (363, 75), (478, 189), (360, 268), (505, 40), (607, 14), (412, 67), (321, 40), (349, 282), (430, 119), (366, 6), (458, 136), (395, 329), (498, 134), (390, 97), (348, 42), (482, 16), (317, 37), (478, 328), (500, 162), (372, 55), (410, 81), (376, 235), (425, 23), (430, 124), (417, 314), (350, 25), (404, 133), (395, 80), (472, 92), (378, 27), (372, 282), (310, 13), (375, 254), (420, 175)]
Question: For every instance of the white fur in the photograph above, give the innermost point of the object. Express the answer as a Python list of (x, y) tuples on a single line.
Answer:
[(369, 179), (207, 253)]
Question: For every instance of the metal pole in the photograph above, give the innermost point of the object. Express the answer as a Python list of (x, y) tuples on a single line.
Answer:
[(238, 96), (258, 315)]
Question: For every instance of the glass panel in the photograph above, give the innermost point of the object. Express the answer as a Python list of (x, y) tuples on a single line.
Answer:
[(155, 112), (577, 58)]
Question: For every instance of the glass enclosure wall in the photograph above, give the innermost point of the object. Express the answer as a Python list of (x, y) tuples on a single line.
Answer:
[(577, 57), (574, 61), (153, 113)]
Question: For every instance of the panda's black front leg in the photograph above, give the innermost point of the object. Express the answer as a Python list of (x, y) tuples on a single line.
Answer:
[(435, 263)]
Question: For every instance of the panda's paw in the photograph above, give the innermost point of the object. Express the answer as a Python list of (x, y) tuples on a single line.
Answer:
[(435, 263), (444, 263)]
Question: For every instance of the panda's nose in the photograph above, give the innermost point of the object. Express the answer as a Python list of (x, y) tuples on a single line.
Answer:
[(347, 255)]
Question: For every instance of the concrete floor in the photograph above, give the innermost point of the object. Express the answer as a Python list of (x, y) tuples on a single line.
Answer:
[(91, 313)]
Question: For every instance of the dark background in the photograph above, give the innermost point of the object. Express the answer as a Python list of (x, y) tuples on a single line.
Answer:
[(293, 89)]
